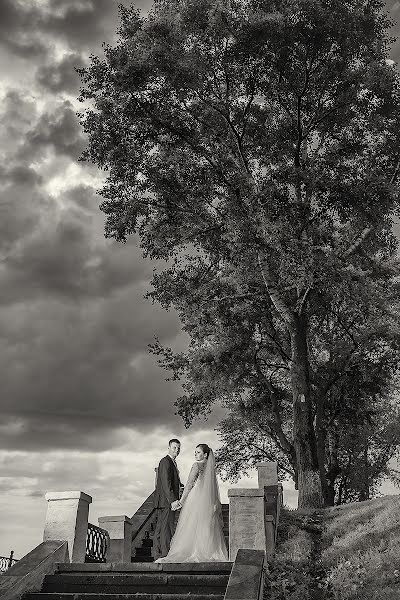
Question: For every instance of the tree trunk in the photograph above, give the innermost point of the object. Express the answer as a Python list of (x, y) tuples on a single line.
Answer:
[(364, 492), (329, 496), (340, 490), (333, 470), (321, 440), (304, 441)]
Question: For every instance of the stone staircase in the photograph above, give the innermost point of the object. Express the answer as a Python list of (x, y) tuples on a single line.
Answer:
[(137, 581), (144, 552), (131, 573), (142, 579)]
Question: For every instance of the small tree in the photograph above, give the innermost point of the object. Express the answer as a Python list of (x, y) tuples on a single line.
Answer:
[(254, 145)]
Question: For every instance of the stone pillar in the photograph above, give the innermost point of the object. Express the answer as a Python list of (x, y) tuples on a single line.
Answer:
[(156, 470), (120, 532), (246, 520), (270, 535), (268, 478), (267, 473), (67, 519)]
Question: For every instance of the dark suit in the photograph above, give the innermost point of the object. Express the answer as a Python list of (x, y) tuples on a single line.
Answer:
[(167, 491)]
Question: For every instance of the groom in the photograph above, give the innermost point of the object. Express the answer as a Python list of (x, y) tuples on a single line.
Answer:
[(166, 498)]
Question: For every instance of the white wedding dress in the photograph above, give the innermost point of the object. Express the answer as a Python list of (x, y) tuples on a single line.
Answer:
[(199, 536)]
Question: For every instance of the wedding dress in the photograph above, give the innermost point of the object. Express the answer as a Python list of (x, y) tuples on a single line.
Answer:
[(199, 536)]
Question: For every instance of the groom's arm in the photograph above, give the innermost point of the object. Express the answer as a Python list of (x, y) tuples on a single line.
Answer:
[(166, 483), (181, 488)]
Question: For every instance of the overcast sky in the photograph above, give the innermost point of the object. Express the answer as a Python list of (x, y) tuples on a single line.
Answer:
[(83, 405)]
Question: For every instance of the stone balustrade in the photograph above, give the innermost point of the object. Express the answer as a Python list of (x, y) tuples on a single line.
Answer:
[(253, 519)]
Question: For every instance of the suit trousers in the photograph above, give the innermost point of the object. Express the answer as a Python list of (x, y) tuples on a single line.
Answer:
[(165, 528)]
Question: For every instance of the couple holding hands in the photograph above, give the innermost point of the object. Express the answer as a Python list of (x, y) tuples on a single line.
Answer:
[(199, 532)]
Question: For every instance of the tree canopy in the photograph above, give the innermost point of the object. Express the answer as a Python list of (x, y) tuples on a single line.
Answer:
[(254, 145)]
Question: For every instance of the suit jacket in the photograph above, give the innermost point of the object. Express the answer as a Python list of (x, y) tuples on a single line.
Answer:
[(167, 488)]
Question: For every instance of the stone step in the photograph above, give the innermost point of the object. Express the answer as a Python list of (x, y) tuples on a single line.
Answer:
[(144, 577), (150, 583), (101, 596), (206, 567), (143, 551), (151, 590), (139, 559)]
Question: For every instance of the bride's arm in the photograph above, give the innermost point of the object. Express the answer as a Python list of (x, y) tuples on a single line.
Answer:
[(193, 475)]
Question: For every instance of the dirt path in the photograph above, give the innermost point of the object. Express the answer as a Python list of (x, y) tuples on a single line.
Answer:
[(317, 574)]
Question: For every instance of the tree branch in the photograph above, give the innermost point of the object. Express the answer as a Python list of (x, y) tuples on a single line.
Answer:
[(357, 243), (368, 230), (303, 301), (198, 150), (396, 171), (271, 458), (276, 297), (236, 135), (233, 297)]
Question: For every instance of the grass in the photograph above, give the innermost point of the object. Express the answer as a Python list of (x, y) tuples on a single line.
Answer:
[(293, 574), (361, 549), (351, 552)]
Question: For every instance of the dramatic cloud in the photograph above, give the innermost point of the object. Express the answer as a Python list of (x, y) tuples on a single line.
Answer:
[(18, 29), (60, 76), (59, 130), (28, 29), (84, 406)]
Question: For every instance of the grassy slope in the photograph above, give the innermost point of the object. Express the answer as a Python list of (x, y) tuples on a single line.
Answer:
[(350, 552), (362, 549)]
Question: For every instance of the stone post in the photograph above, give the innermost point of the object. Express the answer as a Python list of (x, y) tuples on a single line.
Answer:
[(120, 531), (67, 519), (246, 520), (254, 513), (267, 473), (268, 479)]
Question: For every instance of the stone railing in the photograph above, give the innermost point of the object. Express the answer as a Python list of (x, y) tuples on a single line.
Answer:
[(254, 513), (143, 522), (27, 574), (246, 581), (7, 562), (97, 544)]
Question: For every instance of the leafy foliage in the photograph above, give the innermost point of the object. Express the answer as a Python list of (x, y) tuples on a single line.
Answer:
[(253, 145)]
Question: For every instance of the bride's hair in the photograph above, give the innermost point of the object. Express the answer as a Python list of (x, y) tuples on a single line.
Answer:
[(205, 447)]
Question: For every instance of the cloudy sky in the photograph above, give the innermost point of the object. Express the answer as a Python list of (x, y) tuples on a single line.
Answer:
[(83, 405)]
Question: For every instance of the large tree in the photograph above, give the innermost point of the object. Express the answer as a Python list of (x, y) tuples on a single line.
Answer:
[(360, 453), (253, 144)]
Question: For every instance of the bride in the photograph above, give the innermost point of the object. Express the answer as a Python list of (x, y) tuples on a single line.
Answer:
[(199, 536)]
